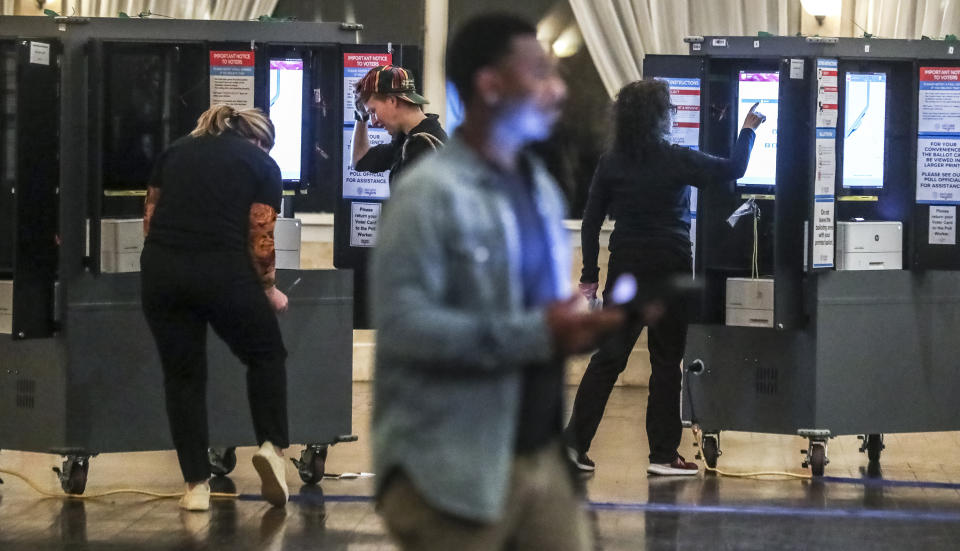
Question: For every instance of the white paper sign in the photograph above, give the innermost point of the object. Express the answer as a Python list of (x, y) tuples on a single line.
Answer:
[(938, 170), (796, 68), (827, 93), (40, 53), (938, 140), (363, 224), (943, 225), (232, 75), (685, 95), (826, 163), (364, 185), (823, 233), (355, 66)]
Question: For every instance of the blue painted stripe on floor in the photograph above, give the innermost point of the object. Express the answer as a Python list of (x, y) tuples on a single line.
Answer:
[(768, 510), (313, 498), (891, 483), (692, 508)]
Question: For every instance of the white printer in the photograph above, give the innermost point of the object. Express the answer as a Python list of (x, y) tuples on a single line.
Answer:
[(749, 302), (286, 242), (121, 242), (866, 245), (6, 306)]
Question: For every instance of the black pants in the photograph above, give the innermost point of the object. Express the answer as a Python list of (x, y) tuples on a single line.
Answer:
[(182, 293), (656, 271)]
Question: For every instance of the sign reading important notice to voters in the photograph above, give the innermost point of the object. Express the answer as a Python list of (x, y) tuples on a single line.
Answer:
[(354, 67), (232, 78), (938, 140), (361, 185)]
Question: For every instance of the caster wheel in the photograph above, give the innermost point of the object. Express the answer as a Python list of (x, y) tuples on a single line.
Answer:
[(874, 445), (312, 461), (222, 460), (73, 476), (711, 450), (818, 459)]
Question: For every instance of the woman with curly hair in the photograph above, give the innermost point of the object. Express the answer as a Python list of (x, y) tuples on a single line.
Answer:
[(643, 182)]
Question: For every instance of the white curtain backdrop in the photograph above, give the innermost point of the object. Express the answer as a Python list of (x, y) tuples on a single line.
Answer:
[(619, 33), (907, 18), (180, 9)]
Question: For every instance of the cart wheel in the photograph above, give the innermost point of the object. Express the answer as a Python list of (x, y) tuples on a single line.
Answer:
[(73, 477), (711, 450), (222, 460), (818, 459), (874, 446), (312, 461)]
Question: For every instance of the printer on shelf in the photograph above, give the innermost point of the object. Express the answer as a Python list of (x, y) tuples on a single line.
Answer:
[(863, 245)]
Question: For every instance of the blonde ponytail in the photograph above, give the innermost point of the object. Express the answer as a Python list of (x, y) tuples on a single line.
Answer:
[(213, 121), (252, 124)]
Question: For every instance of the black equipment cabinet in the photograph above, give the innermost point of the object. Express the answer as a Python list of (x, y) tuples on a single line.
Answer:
[(849, 352), (103, 97)]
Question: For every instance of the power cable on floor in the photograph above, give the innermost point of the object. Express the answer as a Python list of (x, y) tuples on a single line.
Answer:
[(159, 495), (697, 436), (149, 493)]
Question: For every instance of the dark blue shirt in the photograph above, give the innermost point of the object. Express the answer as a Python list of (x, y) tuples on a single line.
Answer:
[(541, 407)]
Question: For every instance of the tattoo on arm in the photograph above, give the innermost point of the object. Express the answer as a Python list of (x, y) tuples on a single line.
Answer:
[(262, 221)]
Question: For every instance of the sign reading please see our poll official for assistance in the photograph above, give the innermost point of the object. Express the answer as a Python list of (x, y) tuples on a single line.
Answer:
[(364, 185), (363, 224), (938, 141), (361, 185), (232, 78)]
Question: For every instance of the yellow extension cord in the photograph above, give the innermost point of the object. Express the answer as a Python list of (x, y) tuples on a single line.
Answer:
[(697, 435), (757, 474), (148, 493)]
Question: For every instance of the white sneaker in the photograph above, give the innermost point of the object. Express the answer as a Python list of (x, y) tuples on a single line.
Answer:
[(196, 499), (679, 467), (273, 481)]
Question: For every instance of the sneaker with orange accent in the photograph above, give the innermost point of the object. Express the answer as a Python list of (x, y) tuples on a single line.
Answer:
[(679, 467)]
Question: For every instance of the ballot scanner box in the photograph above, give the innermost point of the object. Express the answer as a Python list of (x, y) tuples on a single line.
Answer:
[(6, 306), (286, 240), (121, 242), (749, 302), (869, 246)]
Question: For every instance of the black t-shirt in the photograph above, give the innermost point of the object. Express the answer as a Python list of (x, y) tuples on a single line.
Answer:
[(389, 156), (207, 187)]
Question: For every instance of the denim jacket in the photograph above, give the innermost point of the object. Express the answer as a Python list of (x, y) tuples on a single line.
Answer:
[(452, 330)]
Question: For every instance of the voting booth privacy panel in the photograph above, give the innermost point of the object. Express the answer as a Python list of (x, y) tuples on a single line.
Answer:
[(88, 105), (828, 290)]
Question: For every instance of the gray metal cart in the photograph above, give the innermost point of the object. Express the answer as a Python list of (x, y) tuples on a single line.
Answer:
[(79, 375), (849, 352)]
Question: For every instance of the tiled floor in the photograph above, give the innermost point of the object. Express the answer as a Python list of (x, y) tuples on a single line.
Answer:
[(849, 510)]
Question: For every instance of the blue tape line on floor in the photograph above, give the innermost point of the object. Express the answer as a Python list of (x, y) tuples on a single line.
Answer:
[(890, 483), (691, 508), (764, 510)]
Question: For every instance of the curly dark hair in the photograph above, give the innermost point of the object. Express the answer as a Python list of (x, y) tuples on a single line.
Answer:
[(641, 117)]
